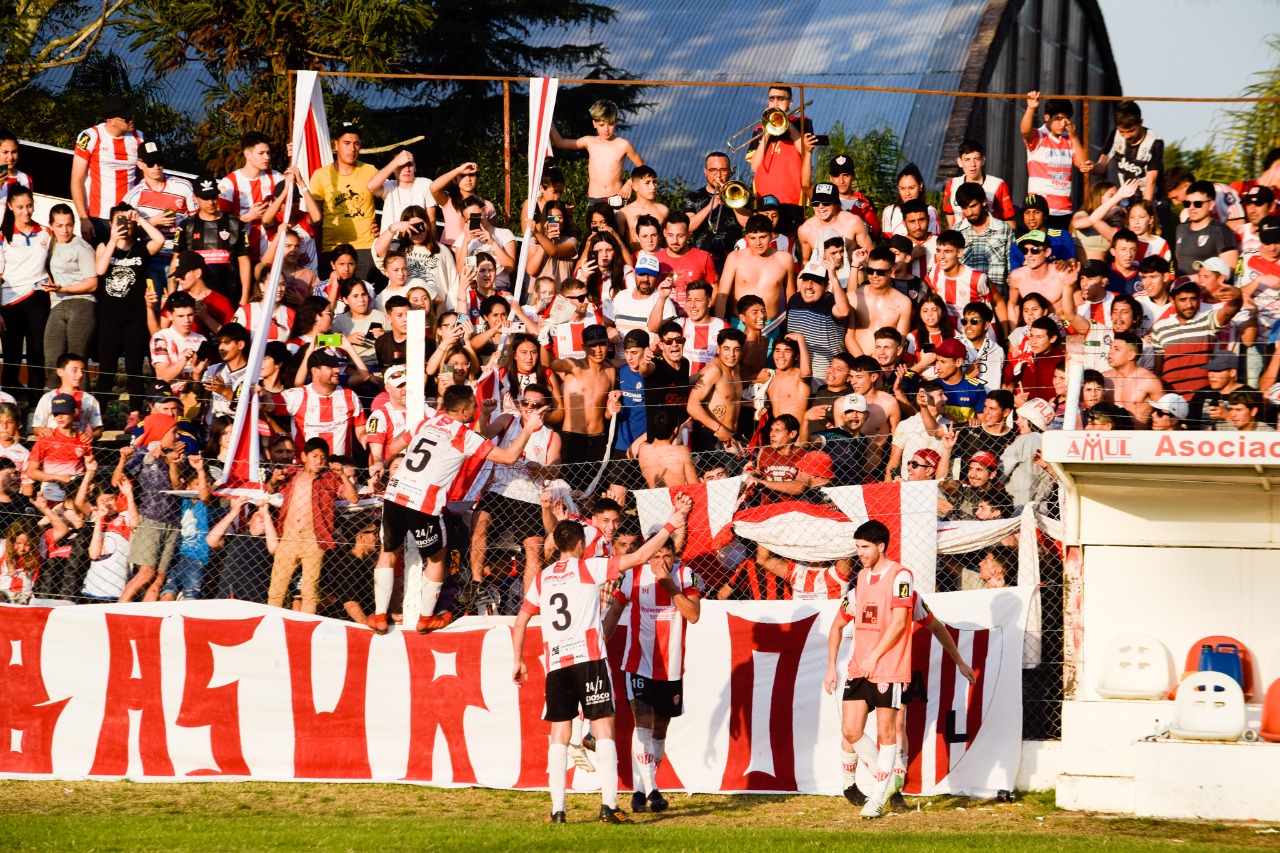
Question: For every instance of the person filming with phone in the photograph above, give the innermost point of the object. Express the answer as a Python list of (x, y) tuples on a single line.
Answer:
[(481, 235)]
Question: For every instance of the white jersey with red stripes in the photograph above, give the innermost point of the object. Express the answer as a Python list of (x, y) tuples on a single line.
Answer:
[(173, 194), (1152, 313), (595, 544), (565, 341), (655, 627), (1154, 246), (967, 285), (251, 316), (816, 582), (386, 423), (170, 347), (1266, 293), (515, 481), (113, 167), (700, 342), (567, 594), (238, 193), (332, 417), (1049, 164), (442, 460)]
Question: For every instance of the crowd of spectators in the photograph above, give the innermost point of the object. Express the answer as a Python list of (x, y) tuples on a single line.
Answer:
[(802, 340)]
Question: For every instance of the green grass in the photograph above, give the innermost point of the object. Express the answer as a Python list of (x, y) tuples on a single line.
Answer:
[(90, 816)]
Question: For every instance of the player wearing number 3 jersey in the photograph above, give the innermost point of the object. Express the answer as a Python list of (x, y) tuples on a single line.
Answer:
[(567, 594), (442, 457)]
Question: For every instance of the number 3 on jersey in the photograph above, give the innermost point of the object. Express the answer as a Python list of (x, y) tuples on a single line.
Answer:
[(560, 603), (419, 456)]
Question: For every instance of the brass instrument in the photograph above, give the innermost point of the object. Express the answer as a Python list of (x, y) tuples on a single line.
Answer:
[(735, 195), (774, 122)]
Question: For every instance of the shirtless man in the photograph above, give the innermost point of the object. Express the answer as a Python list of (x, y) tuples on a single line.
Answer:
[(1036, 275), (644, 181), (877, 304), (760, 270), (827, 213), (788, 383), (587, 383), (663, 463), (605, 153), (755, 351), (1132, 387), (716, 397), (883, 410)]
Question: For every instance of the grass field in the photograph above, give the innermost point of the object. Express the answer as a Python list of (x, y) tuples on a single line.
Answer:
[(109, 816)]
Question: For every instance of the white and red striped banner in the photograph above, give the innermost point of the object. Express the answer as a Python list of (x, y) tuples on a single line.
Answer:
[(542, 108), (708, 524), (204, 690), (312, 149)]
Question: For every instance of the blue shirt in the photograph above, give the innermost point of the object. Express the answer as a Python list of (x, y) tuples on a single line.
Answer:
[(1061, 248), (1120, 284), (634, 423), (965, 399)]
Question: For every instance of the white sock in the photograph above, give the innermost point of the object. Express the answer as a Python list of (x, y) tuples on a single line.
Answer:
[(607, 771), (384, 580), (867, 750), (849, 767), (659, 753), (575, 734), (900, 761), (430, 595), (557, 770), (884, 769), (646, 759)]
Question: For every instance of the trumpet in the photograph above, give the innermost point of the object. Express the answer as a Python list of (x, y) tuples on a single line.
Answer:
[(735, 194), (774, 122)]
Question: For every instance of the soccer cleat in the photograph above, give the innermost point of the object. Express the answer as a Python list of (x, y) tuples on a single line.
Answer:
[(855, 796), (898, 804), (378, 622), (589, 741), (580, 758), (556, 817), (874, 808), (639, 804), (613, 814), (657, 802), (427, 624), (897, 782)]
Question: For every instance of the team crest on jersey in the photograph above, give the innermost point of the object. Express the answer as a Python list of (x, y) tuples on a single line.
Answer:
[(224, 235), (82, 141), (870, 615), (904, 590)]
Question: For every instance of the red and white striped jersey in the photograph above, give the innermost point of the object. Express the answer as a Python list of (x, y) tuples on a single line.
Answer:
[(113, 167), (816, 582), (655, 628), (238, 193), (250, 316), (567, 593), (1266, 293), (442, 460), (13, 178), (999, 201), (700, 342), (1154, 245), (959, 290), (595, 544), (1049, 164), (1152, 313), (169, 347), (331, 417), (869, 606), (174, 194), (385, 424)]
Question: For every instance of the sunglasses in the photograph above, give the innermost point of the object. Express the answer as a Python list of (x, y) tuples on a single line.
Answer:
[(972, 321), (1161, 412), (915, 464), (1196, 204), (533, 404), (581, 297), (1033, 250), (669, 341), (876, 271)]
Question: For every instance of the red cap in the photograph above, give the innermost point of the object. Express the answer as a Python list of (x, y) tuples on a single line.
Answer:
[(816, 464), (154, 428), (927, 455), (986, 459), (950, 348)]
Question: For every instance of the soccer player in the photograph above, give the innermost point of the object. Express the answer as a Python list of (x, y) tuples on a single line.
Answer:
[(880, 665), (662, 597), (578, 675), (442, 459)]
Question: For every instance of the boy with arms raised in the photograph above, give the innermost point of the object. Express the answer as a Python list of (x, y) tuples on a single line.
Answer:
[(605, 153)]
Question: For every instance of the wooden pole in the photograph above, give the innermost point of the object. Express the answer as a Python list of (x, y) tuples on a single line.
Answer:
[(506, 147)]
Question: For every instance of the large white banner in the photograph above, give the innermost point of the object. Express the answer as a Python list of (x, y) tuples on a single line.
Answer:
[(1163, 448), (231, 690)]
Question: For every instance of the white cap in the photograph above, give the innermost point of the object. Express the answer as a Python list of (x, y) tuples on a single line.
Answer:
[(1173, 404), (1214, 264), (396, 376), (1039, 413), (851, 403), (814, 270)]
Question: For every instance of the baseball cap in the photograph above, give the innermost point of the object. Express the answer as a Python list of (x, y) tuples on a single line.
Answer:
[(986, 459), (1039, 413), (817, 464), (323, 358), (345, 128), (205, 186), (814, 270), (114, 107), (1221, 362), (950, 348), (1094, 269), (595, 334), (53, 492), (840, 165), (647, 264), (1173, 404), (636, 338), (158, 389), (768, 202), (927, 455), (149, 154), (901, 243), (396, 376), (1184, 284), (825, 193), (1259, 195), (1036, 236), (1269, 230), (1036, 202), (1214, 265), (188, 261), (851, 403), (63, 404)]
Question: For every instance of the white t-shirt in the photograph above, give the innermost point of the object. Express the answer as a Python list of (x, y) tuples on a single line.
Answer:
[(90, 411), (396, 198), (504, 238)]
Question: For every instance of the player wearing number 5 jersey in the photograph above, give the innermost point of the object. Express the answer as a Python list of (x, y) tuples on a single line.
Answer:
[(567, 593), (442, 457)]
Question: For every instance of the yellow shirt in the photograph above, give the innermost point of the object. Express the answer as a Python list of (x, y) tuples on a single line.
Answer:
[(347, 205)]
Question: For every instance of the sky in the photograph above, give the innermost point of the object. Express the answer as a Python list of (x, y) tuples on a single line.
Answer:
[(1230, 33)]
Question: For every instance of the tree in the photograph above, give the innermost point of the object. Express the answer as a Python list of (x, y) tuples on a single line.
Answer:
[(876, 156), (1250, 133), (42, 35)]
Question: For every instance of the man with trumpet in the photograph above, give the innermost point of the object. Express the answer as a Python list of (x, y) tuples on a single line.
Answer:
[(713, 225), (780, 159)]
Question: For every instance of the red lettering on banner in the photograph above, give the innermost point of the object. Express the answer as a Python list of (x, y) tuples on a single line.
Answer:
[(534, 731), (131, 638), (25, 706), (215, 707), (787, 640), (328, 744), (441, 702), (919, 706)]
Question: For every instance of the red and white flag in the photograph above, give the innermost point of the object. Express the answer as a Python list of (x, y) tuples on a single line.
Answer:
[(542, 107), (709, 521), (311, 147)]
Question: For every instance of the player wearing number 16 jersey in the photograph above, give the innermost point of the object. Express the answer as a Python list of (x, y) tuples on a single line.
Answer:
[(442, 457), (567, 594)]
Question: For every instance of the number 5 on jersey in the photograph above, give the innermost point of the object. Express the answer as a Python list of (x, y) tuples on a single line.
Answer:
[(419, 455)]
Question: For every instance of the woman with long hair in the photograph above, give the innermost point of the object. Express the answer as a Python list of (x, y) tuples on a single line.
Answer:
[(554, 248), (449, 190), (910, 186), (426, 259), (1096, 223), (24, 290), (361, 324), (930, 325), (604, 269)]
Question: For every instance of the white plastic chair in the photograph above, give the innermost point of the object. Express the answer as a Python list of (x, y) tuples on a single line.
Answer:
[(1136, 666), (1209, 706)]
